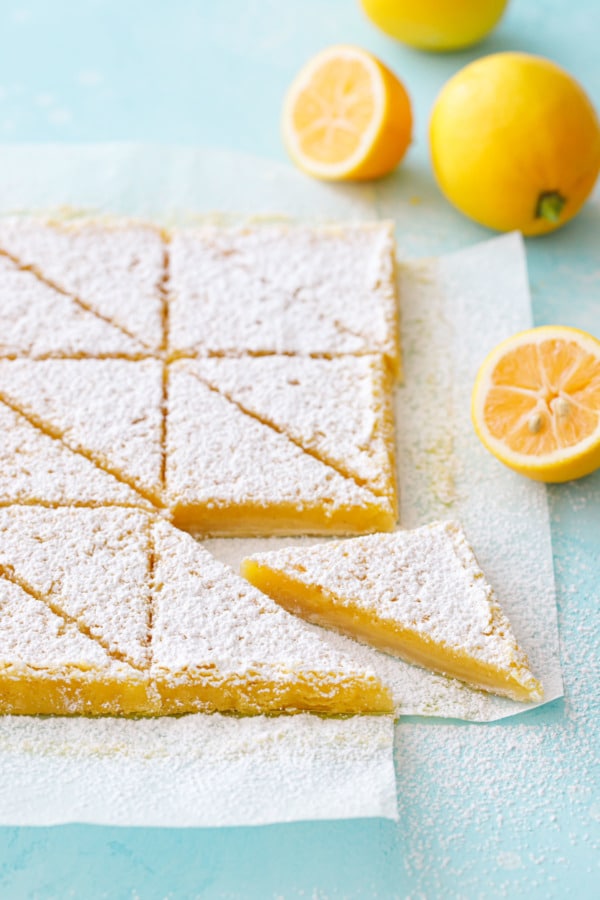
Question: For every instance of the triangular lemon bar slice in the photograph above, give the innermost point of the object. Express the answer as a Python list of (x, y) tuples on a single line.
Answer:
[(108, 409), (338, 409), (273, 289), (36, 468), (419, 595), (116, 269), (91, 565), (220, 645), (36, 320), (48, 667), (226, 472)]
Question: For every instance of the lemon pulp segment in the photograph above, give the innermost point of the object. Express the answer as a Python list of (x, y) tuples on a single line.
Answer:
[(536, 403)]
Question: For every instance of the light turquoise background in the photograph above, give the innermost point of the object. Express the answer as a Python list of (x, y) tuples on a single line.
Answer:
[(214, 72)]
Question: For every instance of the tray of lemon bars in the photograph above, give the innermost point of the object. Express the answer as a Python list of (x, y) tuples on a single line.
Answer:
[(245, 524)]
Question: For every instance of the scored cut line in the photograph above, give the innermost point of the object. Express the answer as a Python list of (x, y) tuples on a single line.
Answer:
[(41, 357), (56, 434), (152, 560), (10, 575), (360, 483), (177, 355), (164, 291), (74, 299), (74, 504)]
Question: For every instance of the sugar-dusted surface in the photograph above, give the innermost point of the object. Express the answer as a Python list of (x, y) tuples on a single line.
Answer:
[(453, 311), (337, 408), (91, 564), (196, 770), (36, 468), (31, 635), (285, 290), (219, 457), (115, 269), (48, 664), (426, 581), (109, 409), (37, 320), (206, 616)]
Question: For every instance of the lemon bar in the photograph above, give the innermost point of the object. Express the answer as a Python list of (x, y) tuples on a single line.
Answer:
[(275, 289), (337, 409), (227, 472), (419, 595), (91, 565), (114, 611), (115, 269), (36, 320), (38, 469), (218, 644), (48, 667), (108, 409)]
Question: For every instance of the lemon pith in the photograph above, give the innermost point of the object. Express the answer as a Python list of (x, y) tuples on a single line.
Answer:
[(346, 116), (536, 403)]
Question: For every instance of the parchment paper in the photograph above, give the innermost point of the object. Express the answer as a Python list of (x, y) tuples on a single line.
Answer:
[(196, 770), (216, 770)]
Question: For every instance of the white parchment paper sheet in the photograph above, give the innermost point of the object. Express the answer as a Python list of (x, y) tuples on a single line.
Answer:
[(217, 770), (196, 770)]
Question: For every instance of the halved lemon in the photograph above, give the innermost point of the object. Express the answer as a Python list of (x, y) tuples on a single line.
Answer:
[(536, 403), (346, 116)]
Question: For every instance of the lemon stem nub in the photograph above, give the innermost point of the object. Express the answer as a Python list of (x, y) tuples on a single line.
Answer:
[(549, 206)]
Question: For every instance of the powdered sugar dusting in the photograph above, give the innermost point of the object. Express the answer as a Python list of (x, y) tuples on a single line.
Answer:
[(36, 468), (535, 774), (113, 268), (37, 320), (284, 290), (110, 409), (426, 580), (454, 310), (336, 407), (150, 595), (218, 456), (32, 635), (207, 616), (92, 564)]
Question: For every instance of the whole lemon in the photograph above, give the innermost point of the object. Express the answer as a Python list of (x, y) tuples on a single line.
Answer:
[(515, 143), (435, 24)]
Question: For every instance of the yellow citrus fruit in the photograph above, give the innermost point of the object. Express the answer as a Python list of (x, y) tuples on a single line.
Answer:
[(435, 24), (346, 116), (515, 143), (536, 403)]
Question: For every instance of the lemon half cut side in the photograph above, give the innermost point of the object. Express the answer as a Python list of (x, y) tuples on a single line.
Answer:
[(346, 116), (536, 403)]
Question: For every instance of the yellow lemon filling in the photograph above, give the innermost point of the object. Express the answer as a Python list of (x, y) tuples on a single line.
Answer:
[(418, 595)]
